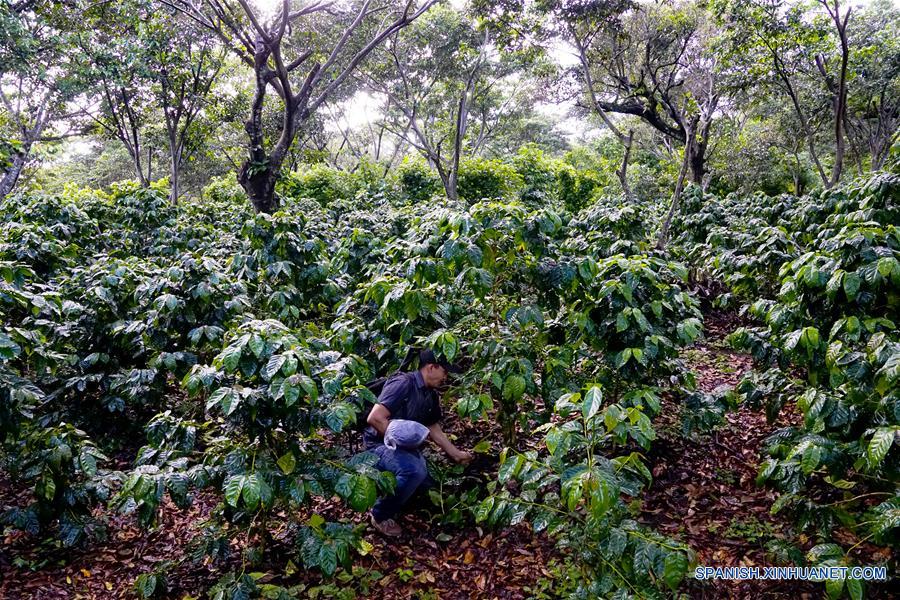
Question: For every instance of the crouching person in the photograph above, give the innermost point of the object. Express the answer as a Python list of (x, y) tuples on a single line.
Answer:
[(408, 397)]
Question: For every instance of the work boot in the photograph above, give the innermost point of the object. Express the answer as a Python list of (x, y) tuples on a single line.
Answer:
[(387, 527)]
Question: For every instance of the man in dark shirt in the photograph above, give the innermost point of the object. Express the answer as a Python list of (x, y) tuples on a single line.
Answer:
[(409, 396)]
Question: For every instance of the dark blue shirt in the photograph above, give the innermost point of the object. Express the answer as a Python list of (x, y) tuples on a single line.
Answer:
[(406, 396)]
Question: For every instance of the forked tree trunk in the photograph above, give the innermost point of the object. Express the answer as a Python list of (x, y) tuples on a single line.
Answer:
[(622, 172), (679, 186), (260, 187), (11, 174)]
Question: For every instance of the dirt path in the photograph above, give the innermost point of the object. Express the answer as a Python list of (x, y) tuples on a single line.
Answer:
[(704, 491)]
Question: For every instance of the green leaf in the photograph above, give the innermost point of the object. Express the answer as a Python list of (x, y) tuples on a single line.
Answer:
[(601, 498), (618, 540), (851, 285), (588, 269), (612, 416), (482, 447), (810, 338), (641, 319), (216, 397), (327, 559), (822, 552), (834, 587), (592, 401), (290, 391), (810, 459), (231, 357), (792, 339), (879, 445), (287, 463), (674, 569), (510, 468), (233, 489), (841, 484), (257, 345), (358, 490), (316, 521), (638, 355), (230, 402), (88, 463), (622, 358), (49, 488), (145, 585), (290, 364), (449, 346), (364, 494), (627, 290), (834, 284), (855, 588), (513, 388), (309, 386), (886, 265), (273, 366), (251, 492)]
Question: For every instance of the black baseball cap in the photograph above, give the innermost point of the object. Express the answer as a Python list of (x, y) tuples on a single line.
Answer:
[(427, 357)]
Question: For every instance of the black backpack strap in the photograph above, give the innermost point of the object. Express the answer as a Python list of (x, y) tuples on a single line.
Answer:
[(408, 359)]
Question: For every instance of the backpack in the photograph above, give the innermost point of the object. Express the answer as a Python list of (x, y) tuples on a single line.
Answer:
[(366, 402)]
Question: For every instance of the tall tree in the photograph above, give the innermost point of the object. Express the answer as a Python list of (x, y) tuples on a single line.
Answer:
[(772, 46), (115, 61), (837, 88), (36, 81), (325, 41), (651, 61), (445, 84), (873, 104), (660, 68), (184, 63)]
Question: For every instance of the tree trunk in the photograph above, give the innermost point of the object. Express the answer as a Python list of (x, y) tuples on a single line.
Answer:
[(175, 154), (804, 123), (11, 175), (173, 180), (260, 188), (840, 108), (622, 173), (696, 157), (699, 142), (679, 186), (507, 418), (451, 186), (448, 179)]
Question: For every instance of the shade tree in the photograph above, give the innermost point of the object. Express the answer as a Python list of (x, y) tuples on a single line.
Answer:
[(36, 81), (449, 89), (302, 54)]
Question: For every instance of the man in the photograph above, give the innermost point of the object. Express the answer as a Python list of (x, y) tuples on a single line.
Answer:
[(409, 396)]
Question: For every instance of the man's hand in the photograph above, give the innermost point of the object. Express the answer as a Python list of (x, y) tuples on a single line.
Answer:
[(462, 457), (440, 438)]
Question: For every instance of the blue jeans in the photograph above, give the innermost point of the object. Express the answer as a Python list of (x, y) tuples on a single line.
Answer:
[(410, 471)]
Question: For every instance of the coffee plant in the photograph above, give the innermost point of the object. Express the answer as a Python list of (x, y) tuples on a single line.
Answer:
[(226, 353), (821, 280)]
